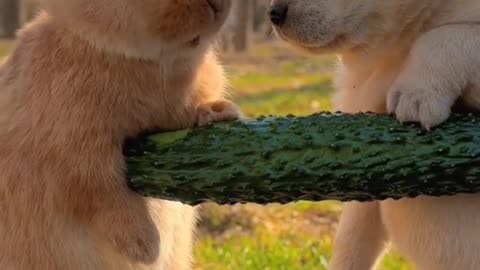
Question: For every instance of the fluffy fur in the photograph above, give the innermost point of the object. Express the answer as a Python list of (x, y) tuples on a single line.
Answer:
[(415, 59), (84, 76)]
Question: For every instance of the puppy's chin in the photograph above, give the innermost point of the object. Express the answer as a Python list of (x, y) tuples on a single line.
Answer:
[(338, 44), (312, 48)]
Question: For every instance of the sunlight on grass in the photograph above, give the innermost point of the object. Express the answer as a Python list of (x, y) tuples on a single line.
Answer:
[(282, 252), (274, 252), (306, 100), (323, 207), (394, 262), (253, 83)]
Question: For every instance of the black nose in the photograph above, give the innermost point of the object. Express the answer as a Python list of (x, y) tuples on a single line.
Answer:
[(278, 14)]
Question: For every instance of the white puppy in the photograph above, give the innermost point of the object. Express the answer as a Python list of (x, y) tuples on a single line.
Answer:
[(414, 58)]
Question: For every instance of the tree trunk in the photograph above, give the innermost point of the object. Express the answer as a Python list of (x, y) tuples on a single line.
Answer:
[(9, 18), (259, 15), (321, 157), (241, 16)]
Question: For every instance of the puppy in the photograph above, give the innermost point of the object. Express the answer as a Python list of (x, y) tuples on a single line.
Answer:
[(415, 59), (84, 76)]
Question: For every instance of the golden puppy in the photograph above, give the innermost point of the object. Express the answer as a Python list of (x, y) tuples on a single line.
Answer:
[(84, 76)]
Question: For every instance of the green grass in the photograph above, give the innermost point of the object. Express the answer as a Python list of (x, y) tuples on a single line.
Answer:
[(250, 237), (284, 252), (293, 250), (272, 79), (306, 100)]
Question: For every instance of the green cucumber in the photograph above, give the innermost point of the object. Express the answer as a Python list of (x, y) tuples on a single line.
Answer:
[(360, 157)]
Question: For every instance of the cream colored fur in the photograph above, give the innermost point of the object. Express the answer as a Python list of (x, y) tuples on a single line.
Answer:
[(415, 59), (83, 77)]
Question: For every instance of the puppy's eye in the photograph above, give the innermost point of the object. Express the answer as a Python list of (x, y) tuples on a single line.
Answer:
[(194, 42)]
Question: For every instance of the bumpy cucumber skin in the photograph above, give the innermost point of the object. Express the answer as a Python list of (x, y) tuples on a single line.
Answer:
[(360, 157)]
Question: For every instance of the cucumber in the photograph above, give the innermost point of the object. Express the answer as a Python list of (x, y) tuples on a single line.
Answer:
[(325, 156)]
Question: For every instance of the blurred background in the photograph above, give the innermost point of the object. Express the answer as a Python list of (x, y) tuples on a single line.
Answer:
[(267, 77)]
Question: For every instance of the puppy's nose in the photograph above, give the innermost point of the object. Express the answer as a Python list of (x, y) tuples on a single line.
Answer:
[(278, 14)]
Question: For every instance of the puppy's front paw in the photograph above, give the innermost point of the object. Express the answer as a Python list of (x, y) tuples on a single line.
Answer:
[(429, 108), (221, 110)]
